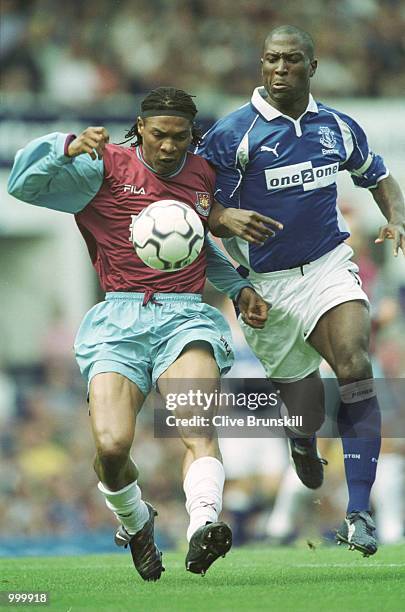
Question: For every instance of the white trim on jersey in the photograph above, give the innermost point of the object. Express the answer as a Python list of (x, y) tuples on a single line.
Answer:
[(347, 134), (360, 171), (270, 113), (242, 156), (349, 141), (242, 152), (380, 178), (237, 185)]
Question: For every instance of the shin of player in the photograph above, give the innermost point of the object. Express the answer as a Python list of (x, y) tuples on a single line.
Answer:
[(203, 471)]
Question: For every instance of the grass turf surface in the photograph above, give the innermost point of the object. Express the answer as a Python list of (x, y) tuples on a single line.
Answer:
[(277, 579)]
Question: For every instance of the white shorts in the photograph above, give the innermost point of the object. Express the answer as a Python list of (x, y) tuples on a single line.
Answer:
[(299, 298)]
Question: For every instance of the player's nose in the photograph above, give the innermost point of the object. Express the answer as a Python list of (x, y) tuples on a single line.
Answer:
[(281, 67), (168, 146)]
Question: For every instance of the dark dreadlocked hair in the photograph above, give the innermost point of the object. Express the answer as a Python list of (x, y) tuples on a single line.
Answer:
[(166, 99)]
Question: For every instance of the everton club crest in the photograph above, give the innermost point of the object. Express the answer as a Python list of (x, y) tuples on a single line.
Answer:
[(327, 138), (203, 203)]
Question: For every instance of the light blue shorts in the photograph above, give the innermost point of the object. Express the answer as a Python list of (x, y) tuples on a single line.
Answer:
[(141, 342)]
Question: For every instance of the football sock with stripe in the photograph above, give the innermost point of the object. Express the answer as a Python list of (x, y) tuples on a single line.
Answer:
[(203, 486), (359, 423), (127, 505)]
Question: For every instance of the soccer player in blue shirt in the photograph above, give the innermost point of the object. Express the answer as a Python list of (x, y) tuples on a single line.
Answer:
[(277, 160)]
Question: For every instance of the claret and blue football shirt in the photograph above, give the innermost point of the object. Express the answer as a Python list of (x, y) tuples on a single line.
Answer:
[(104, 195), (286, 169)]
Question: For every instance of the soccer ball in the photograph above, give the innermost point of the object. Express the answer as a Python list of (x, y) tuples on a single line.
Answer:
[(167, 235)]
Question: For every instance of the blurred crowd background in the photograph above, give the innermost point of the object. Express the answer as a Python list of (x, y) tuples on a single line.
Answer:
[(122, 47), (70, 56)]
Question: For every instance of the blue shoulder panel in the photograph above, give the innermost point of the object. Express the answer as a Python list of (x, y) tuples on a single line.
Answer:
[(44, 176)]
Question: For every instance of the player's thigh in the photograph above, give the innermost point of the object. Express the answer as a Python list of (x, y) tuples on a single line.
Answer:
[(342, 333), (195, 375), (196, 361), (114, 404), (193, 382)]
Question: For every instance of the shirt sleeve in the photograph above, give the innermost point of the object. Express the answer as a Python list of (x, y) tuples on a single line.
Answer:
[(366, 168), (43, 175), (220, 148), (221, 273)]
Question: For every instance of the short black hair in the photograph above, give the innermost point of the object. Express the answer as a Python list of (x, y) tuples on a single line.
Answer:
[(170, 99), (291, 30)]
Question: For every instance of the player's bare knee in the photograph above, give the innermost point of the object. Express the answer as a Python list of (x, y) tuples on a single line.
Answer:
[(112, 453), (354, 366)]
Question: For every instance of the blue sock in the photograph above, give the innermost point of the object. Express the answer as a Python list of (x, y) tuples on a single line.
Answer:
[(359, 423)]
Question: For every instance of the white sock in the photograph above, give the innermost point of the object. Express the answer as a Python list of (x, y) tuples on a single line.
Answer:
[(203, 486), (388, 495), (290, 497), (127, 505)]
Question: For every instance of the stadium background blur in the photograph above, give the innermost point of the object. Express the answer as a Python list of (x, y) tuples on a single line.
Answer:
[(68, 65)]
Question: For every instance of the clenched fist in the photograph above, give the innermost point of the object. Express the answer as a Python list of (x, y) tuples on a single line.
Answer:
[(92, 141)]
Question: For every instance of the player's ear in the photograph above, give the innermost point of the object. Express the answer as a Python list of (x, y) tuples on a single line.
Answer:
[(314, 66), (140, 125)]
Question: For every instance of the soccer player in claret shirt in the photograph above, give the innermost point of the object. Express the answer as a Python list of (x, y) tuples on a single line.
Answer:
[(277, 159), (152, 327)]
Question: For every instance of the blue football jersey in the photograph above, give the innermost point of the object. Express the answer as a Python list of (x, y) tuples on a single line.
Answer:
[(286, 169)]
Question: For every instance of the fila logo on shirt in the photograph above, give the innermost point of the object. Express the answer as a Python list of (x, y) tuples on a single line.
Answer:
[(301, 174), (134, 189)]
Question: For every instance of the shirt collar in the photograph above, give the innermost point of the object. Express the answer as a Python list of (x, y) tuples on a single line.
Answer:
[(269, 112), (139, 154)]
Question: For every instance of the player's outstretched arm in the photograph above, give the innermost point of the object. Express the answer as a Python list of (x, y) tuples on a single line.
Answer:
[(247, 224), (224, 277), (390, 200), (44, 173), (252, 307), (221, 273)]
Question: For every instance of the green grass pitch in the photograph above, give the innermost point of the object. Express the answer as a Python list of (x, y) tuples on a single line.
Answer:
[(276, 579)]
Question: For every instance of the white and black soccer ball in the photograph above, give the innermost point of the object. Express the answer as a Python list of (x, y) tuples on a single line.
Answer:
[(167, 235)]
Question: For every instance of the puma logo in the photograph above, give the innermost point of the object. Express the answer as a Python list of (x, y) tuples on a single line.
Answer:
[(271, 149)]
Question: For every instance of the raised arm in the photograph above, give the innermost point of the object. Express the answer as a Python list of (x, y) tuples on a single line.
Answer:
[(224, 277), (390, 200), (49, 172)]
